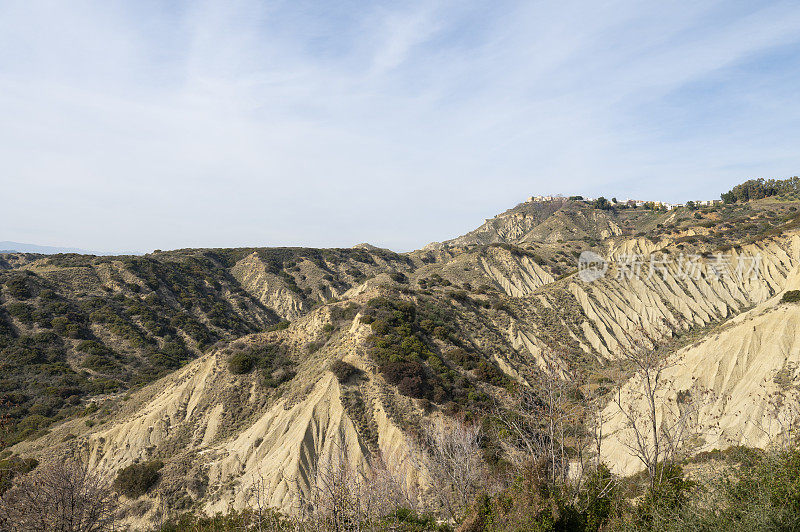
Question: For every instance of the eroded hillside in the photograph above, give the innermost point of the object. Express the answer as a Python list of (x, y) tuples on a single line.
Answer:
[(294, 357)]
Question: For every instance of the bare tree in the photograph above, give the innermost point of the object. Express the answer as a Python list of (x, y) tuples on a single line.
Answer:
[(59, 495), (541, 421), (659, 431), (347, 497), (261, 517), (452, 459)]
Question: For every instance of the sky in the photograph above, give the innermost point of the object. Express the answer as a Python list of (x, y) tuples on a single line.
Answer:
[(141, 125)]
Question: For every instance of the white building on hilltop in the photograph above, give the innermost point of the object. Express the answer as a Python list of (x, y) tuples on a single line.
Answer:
[(541, 198)]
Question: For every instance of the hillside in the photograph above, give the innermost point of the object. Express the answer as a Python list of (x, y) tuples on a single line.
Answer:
[(250, 372), (76, 326)]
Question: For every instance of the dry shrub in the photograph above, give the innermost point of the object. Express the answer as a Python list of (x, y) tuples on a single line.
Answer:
[(60, 495)]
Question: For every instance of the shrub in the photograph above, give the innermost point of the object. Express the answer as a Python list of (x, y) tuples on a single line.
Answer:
[(137, 479), (99, 363), (398, 277), (599, 498), (462, 358), (343, 370), (280, 326), (241, 363), (18, 287), (346, 313), (21, 311), (313, 347), (91, 347), (669, 493), (602, 203), (409, 377), (11, 467), (460, 296), (791, 296), (488, 372)]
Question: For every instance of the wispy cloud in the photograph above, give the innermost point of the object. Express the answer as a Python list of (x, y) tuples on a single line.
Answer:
[(140, 125)]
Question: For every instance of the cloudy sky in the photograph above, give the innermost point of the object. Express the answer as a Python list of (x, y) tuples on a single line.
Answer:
[(149, 124)]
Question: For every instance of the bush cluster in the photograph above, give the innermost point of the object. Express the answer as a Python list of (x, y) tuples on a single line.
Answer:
[(241, 363), (344, 371), (402, 344), (137, 479), (271, 360)]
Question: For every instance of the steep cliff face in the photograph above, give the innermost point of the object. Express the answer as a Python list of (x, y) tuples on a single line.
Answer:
[(736, 386)]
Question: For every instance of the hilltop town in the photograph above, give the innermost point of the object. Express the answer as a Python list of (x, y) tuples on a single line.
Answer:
[(627, 203)]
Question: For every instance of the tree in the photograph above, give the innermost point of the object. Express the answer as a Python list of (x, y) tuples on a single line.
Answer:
[(541, 418), (344, 371), (345, 497), (61, 495), (137, 479), (602, 203), (658, 430), (452, 459)]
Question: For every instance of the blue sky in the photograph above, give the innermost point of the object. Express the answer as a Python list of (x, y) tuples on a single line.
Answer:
[(148, 124)]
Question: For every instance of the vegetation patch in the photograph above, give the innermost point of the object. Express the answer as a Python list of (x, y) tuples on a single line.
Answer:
[(137, 479), (13, 466), (344, 371), (791, 296), (404, 345), (270, 360)]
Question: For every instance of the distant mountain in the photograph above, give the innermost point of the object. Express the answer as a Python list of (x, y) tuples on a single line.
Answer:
[(6, 246)]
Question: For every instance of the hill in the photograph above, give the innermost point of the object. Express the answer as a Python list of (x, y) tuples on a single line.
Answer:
[(250, 373)]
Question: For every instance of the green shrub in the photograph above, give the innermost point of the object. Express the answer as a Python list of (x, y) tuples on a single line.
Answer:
[(137, 479), (599, 498), (462, 358), (99, 363), (91, 347), (398, 277), (241, 363), (280, 326), (22, 312), (18, 287), (410, 378), (313, 347), (460, 296), (488, 372), (602, 203)]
